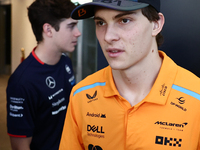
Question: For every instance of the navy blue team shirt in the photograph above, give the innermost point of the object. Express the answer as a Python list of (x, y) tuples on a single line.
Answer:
[(37, 100)]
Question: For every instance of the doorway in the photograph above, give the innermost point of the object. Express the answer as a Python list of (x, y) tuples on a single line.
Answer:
[(5, 39)]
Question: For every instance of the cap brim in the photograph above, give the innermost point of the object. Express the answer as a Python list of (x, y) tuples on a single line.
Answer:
[(87, 10)]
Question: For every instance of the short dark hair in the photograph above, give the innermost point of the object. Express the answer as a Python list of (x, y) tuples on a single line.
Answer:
[(48, 11), (152, 15)]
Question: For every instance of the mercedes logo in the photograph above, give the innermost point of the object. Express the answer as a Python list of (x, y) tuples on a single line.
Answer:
[(51, 83)]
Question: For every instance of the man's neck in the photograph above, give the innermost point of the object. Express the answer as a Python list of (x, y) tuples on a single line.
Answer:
[(47, 54), (135, 83)]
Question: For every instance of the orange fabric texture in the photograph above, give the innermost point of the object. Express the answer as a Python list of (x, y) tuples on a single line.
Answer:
[(168, 118)]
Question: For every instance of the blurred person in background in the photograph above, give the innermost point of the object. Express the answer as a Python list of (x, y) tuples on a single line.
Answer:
[(38, 90)]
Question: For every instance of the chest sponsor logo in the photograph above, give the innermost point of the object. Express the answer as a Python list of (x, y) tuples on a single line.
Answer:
[(171, 126), (72, 80), (163, 90), (168, 141), (181, 101), (67, 68), (98, 115), (93, 97), (92, 147), (50, 82), (97, 129), (52, 96), (54, 104), (62, 108)]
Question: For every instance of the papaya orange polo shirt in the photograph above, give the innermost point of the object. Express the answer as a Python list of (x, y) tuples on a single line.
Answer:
[(98, 118)]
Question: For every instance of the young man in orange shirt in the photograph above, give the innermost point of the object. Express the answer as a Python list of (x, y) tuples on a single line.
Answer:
[(142, 100)]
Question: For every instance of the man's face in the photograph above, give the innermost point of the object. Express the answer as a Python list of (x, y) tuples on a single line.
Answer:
[(66, 38), (125, 37)]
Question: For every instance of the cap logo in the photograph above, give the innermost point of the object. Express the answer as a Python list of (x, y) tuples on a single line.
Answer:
[(81, 12), (107, 1), (111, 1)]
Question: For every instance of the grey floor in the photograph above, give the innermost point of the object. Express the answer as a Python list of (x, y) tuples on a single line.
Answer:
[(4, 138)]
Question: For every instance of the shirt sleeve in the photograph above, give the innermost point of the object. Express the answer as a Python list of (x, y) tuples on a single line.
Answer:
[(71, 135), (20, 111)]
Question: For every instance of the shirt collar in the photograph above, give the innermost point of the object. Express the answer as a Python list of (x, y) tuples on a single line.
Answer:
[(161, 88)]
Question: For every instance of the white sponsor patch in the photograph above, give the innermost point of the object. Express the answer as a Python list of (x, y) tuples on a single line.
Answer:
[(16, 115), (59, 110), (15, 108), (58, 102)]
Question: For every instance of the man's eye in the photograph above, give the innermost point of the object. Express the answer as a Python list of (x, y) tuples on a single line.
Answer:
[(125, 20), (71, 26), (100, 23)]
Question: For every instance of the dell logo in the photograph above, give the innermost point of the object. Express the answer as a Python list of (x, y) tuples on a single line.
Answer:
[(94, 128)]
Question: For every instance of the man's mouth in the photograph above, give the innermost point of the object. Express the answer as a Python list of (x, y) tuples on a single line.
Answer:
[(114, 52)]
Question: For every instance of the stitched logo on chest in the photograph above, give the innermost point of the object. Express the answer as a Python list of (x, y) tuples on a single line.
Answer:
[(50, 82), (97, 115), (171, 126), (166, 141), (92, 147), (92, 98), (67, 68), (181, 101), (95, 131)]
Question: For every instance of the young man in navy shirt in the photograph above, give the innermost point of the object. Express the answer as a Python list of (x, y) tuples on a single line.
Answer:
[(38, 90)]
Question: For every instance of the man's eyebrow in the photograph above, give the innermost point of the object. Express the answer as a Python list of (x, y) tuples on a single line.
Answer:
[(117, 16), (97, 18), (124, 14), (72, 23)]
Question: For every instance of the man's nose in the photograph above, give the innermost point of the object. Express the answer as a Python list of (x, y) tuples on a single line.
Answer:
[(111, 34)]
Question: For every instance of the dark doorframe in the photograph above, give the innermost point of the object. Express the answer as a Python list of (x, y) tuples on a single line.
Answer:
[(182, 32), (5, 39)]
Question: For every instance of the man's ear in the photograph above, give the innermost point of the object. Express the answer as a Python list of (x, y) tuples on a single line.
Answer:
[(158, 25), (47, 29)]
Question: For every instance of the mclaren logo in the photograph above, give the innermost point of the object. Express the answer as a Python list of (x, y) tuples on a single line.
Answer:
[(93, 97), (171, 124)]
